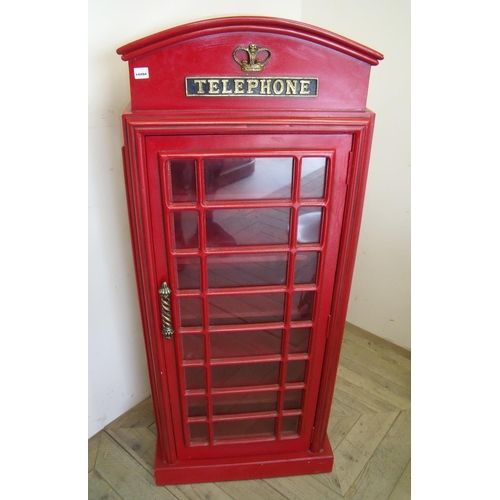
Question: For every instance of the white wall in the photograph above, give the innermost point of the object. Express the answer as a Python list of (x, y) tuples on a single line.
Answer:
[(380, 300), (380, 294)]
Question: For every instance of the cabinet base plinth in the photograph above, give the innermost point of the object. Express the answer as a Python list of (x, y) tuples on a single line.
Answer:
[(245, 467)]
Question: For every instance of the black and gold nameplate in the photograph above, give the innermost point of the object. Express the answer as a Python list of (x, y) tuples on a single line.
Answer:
[(215, 86)]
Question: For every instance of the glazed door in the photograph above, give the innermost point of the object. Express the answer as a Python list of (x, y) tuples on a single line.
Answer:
[(247, 236)]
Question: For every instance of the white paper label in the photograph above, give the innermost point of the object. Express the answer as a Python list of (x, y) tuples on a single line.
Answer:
[(141, 73)]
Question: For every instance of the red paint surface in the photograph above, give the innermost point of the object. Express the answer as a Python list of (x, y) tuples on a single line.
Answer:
[(271, 434)]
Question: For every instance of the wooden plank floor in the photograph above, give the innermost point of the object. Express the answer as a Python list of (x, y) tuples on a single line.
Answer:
[(369, 431)]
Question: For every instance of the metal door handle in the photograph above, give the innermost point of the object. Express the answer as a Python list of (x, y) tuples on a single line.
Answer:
[(166, 311)]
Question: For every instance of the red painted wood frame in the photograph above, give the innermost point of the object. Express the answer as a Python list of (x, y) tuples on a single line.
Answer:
[(222, 412)]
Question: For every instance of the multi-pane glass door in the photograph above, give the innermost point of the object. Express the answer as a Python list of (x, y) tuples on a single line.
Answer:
[(246, 243)]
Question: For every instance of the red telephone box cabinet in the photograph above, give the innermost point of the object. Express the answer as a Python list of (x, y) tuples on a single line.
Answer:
[(246, 155)]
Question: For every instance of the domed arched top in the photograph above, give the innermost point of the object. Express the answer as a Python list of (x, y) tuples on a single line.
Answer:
[(269, 25), (236, 63)]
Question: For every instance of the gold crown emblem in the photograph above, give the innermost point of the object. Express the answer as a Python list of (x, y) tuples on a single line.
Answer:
[(252, 63)]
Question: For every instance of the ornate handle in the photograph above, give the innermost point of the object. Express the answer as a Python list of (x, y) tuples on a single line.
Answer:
[(166, 312)]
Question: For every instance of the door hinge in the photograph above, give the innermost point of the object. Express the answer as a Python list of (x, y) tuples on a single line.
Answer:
[(327, 333), (349, 167)]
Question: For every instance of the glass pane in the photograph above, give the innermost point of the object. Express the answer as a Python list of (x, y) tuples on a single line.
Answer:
[(293, 400), (245, 374), (185, 229), (309, 225), (197, 406), (305, 267), (248, 178), (195, 377), (226, 404), (290, 426), (312, 181), (183, 180), (295, 371), (190, 311), (234, 429), (299, 340), (192, 346), (247, 270), (235, 344), (237, 309), (198, 433), (302, 306), (188, 272), (257, 226)]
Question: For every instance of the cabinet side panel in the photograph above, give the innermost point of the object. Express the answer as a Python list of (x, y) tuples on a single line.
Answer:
[(139, 223), (357, 176)]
